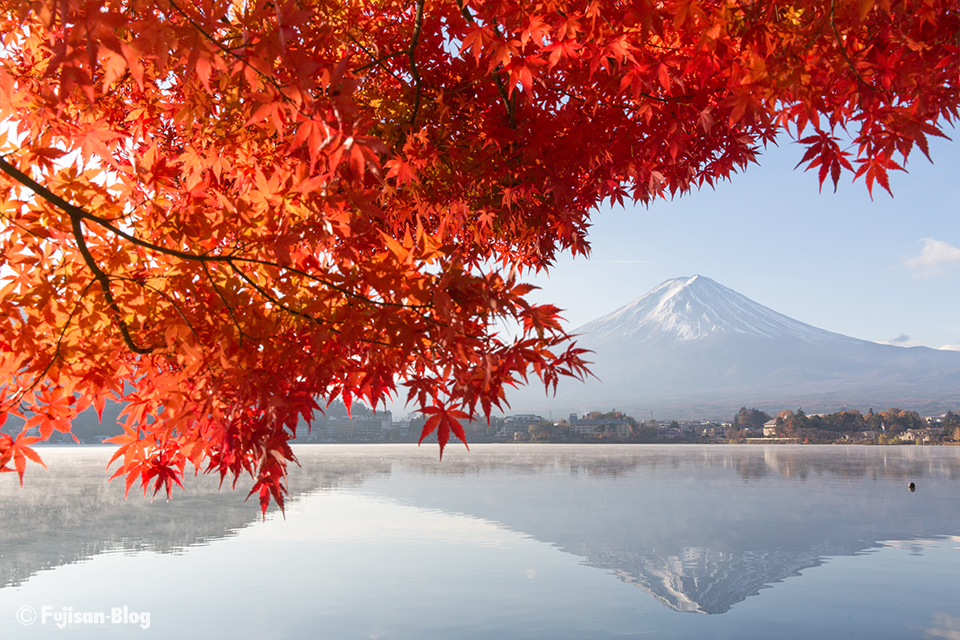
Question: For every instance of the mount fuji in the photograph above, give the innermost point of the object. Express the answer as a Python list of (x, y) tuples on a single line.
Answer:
[(695, 348)]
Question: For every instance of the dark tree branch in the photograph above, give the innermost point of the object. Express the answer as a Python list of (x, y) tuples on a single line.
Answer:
[(226, 304), (412, 53), (76, 220), (501, 87), (861, 81), (168, 298), (74, 211), (294, 312), (230, 52), (56, 354), (104, 279), (379, 61), (77, 215)]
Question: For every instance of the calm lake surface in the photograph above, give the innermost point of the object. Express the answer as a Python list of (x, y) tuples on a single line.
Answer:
[(504, 541)]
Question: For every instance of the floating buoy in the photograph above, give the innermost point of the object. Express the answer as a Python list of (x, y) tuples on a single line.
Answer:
[(912, 487)]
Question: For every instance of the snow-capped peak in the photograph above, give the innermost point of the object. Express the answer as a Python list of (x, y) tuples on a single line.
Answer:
[(692, 308)]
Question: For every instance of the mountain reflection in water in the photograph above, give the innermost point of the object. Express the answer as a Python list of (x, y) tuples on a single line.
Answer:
[(701, 528)]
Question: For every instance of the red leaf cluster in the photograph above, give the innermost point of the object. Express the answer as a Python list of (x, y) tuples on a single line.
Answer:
[(227, 214)]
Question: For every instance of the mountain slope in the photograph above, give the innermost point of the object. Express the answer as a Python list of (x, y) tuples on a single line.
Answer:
[(695, 308), (691, 344)]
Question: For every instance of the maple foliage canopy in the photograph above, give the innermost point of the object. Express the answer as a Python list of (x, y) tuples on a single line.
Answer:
[(225, 214)]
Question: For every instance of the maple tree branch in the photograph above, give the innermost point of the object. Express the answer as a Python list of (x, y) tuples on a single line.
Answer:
[(23, 228), (63, 331), (104, 279), (73, 210), (627, 107), (165, 296), (209, 37), (501, 88), (230, 52), (225, 49), (861, 81), (76, 220), (377, 62), (194, 257), (226, 304), (329, 325), (823, 25), (56, 354), (263, 292), (306, 316), (412, 53)]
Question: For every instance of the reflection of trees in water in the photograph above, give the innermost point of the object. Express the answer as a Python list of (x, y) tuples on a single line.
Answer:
[(944, 626), (699, 580), (71, 512), (855, 462), (752, 468), (700, 528), (696, 580), (794, 462)]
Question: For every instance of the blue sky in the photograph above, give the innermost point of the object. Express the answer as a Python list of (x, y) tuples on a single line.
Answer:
[(886, 270)]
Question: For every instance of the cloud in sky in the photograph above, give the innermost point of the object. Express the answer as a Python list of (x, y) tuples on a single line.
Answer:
[(933, 259), (903, 340), (945, 626)]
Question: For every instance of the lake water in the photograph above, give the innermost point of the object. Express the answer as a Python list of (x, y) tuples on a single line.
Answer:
[(504, 541)]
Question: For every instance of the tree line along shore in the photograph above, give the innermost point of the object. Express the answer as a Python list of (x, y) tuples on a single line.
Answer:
[(848, 426)]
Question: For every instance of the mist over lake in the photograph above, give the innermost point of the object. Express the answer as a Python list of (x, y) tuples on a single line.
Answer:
[(515, 541)]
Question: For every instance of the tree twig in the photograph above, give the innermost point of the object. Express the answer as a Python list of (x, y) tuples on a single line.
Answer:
[(73, 210), (501, 88), (412, 53), (56, 354), (76, 221)]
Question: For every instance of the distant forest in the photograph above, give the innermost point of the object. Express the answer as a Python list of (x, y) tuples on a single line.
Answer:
[(890, 426), (886, 427)]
